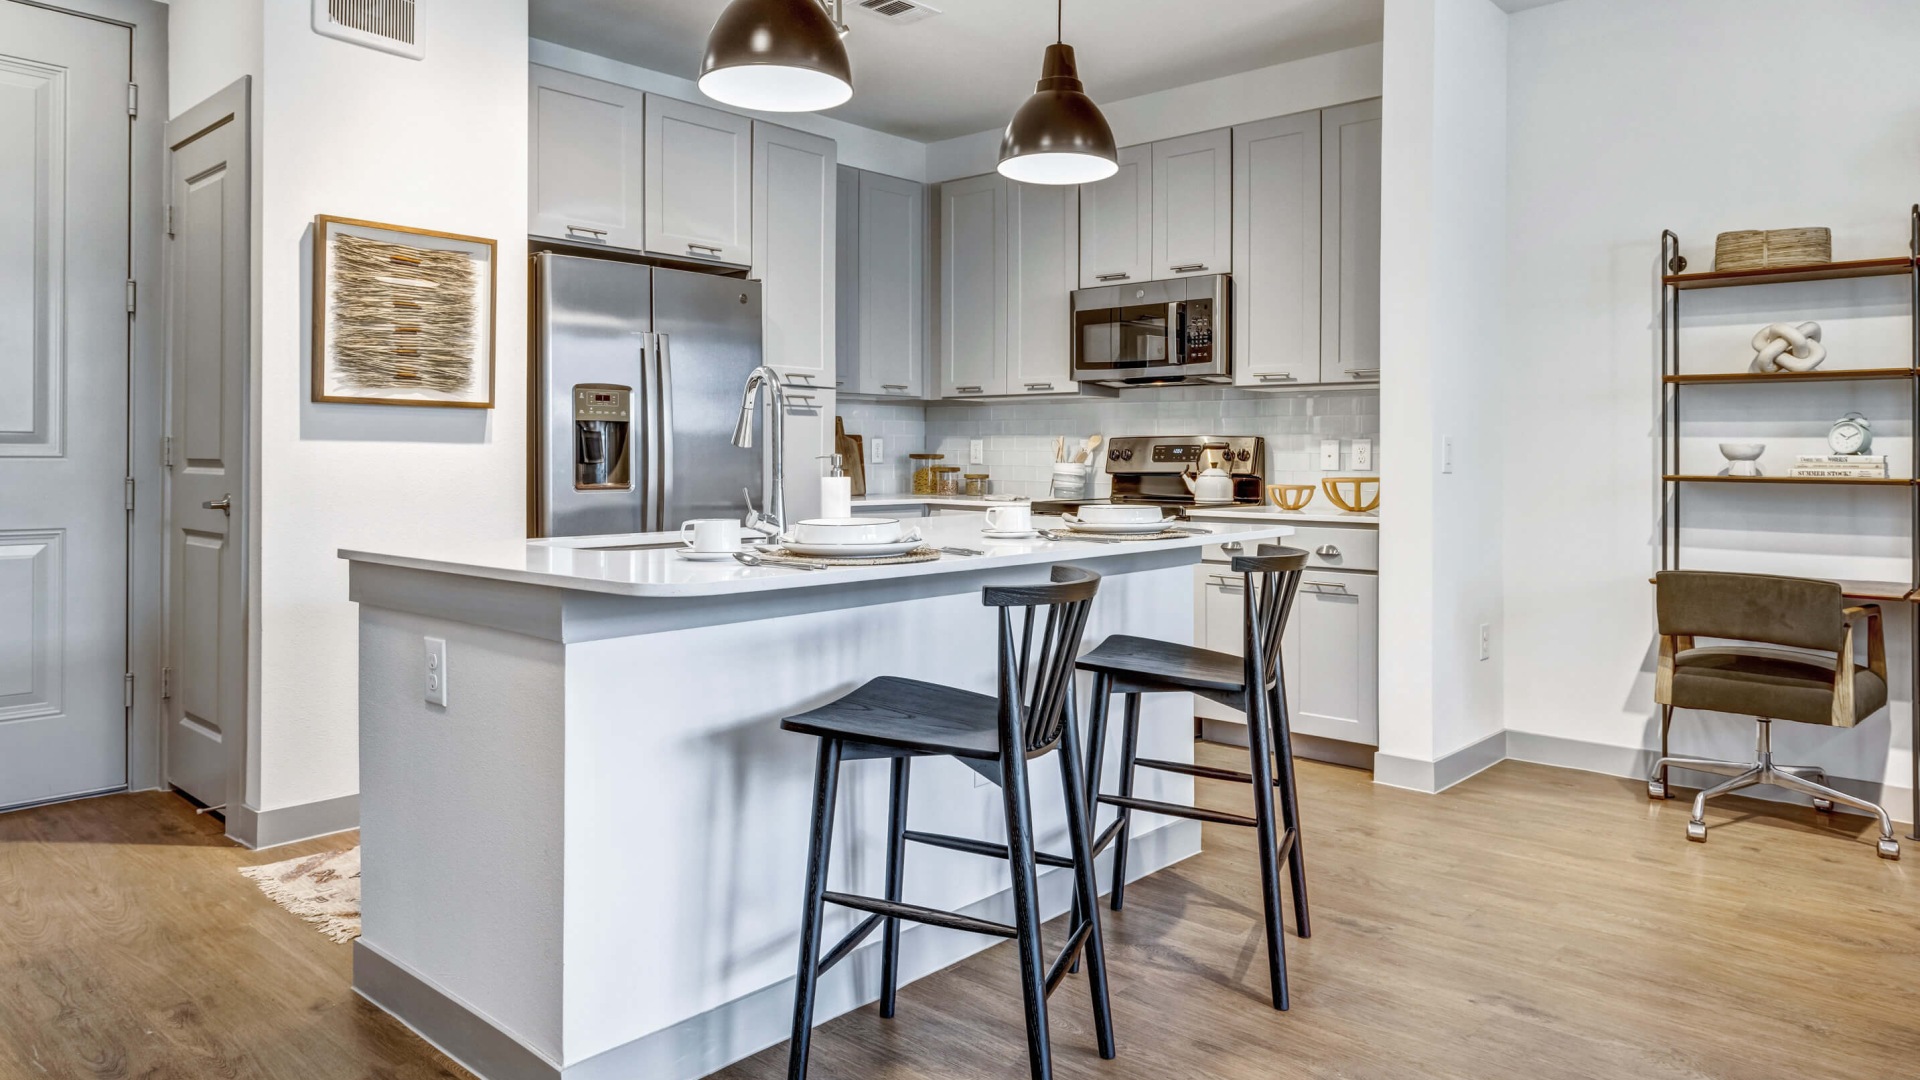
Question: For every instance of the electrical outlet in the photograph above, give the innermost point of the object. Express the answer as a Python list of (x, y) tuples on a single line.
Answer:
[(1363, 454), (1446, 453), (877, 450), (976, 451), (1330, 455), (1486, 641), (436, 684)]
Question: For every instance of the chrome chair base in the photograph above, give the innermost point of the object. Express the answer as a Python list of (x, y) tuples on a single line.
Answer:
[(1805, 779)]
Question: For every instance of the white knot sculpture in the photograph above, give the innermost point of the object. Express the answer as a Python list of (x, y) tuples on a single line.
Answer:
[(1785, 347)]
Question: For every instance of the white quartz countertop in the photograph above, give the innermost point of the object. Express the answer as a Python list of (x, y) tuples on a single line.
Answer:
[(649, 565), (1197, 513)]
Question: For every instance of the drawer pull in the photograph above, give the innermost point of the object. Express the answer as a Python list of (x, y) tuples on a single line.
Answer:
[(710, 251), (1267, 377), (1332, 586), (1111, 277), (1327, 551), (966, 389), (1188, 268), (581, 232), (1364, 373), (1225, 582), (1039, 386), (1233, 545), (893, 386)]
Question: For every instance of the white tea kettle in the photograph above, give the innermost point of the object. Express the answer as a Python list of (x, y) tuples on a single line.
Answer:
[(1214, 484)]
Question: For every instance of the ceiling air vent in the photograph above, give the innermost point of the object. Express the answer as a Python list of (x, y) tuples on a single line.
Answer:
[(387, 25), (899, 12)]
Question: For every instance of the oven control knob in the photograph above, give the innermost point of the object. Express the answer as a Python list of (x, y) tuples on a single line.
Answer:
[(1126, 455), (1246, 455), (1113, 455)]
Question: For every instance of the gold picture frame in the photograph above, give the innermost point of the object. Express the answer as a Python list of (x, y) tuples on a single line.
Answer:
[(440, 353)]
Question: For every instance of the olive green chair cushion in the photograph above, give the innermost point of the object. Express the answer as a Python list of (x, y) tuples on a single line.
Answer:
[(1774, 683), (1797, 612)]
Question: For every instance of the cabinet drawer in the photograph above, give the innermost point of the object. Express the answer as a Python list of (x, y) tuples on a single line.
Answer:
[(1346, 548)]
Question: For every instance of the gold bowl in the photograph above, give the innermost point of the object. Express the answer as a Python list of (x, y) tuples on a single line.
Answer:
[(1354, 499), (1290, 496)]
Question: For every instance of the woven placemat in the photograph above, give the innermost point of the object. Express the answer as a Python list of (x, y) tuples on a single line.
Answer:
[(780, 557)]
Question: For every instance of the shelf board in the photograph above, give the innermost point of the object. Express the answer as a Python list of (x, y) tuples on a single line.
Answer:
[(1856, 589), (1773, 275), (1695, 479), (1817, 375)]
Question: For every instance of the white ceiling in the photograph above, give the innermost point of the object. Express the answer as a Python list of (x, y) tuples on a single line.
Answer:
[(966, 69)]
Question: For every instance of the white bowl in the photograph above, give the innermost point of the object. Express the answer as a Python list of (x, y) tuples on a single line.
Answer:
[(1109, 514), (848, 530), (1742, 451)]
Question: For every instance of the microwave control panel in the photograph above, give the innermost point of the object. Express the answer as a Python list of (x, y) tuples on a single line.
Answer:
[(1197, 333)]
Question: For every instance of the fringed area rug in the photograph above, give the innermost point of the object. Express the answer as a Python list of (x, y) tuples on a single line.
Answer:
[(322, 889)]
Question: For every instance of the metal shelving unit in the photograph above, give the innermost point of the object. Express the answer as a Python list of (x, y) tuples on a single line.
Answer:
[(1673, 482)]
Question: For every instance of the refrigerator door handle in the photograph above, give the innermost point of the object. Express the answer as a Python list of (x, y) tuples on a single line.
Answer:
[(649, 434), (663, 354)]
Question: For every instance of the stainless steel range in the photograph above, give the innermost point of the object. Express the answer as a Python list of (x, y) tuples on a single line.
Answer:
[(1156, 468)]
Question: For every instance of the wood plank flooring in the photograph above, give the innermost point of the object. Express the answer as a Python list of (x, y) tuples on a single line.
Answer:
[(1532, 923)]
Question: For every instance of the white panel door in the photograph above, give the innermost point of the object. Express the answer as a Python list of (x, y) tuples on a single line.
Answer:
[(1276, 251), (1334, 628), (1193, 204), (1116, 222), (1350, 229), (207, 389), (795, 218), (892, 273), (1043, 249), (63, 404), (585, 182), (973, 286), (699, 167)]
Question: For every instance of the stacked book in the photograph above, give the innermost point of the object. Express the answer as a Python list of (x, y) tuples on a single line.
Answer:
[(1842, 466)]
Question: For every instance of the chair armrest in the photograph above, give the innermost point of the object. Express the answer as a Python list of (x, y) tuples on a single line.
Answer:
[(1876, 639), (1844, 663)]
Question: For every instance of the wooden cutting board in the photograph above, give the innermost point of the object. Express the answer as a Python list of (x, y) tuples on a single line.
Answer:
[(853, 456)]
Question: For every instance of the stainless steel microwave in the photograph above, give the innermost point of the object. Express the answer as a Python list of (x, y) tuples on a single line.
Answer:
[(1154, 333)]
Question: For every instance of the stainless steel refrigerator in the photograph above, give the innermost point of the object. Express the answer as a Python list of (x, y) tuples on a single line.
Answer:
[(639, 377)]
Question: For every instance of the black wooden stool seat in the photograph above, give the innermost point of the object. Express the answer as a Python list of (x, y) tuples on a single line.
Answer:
[(1252, 683), (893, 715), (996, 736)]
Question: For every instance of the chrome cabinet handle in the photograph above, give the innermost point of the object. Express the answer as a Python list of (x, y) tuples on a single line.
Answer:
[(1039, 386), (893, 386), (1364, 373), (1111, 277), (1225, 582), (712, 251), (581, 232), (1233, 545), (1327, 551), (1334, 586), (966, 389), (1187, 268), (1267, 377), (224, 504)]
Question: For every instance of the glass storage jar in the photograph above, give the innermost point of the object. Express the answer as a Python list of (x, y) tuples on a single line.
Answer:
[(946, 480), (976, 484), (923, 472)]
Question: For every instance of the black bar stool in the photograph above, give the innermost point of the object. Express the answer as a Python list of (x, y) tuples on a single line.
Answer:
[(1251, 683), (995, 736)]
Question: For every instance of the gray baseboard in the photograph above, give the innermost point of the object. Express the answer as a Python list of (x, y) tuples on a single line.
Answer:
[(260, 829), (1635, 763), (701, 1045), (1433, 777), (1311, 747)]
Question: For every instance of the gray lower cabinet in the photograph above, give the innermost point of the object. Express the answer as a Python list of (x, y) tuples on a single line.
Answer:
[(1276, 251), (882, 272), (699, 182), (1350, 242), (795, 206), (585, 179)]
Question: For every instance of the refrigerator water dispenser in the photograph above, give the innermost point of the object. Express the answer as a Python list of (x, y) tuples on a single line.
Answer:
[(602, 446)]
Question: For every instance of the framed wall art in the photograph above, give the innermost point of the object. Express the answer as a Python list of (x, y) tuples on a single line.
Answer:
[(401, 316)]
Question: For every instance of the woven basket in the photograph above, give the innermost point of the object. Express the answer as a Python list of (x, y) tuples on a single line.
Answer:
[(1757, 249), (1745, 249)]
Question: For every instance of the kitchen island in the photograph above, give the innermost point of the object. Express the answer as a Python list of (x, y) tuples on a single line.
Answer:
[(588, 861)]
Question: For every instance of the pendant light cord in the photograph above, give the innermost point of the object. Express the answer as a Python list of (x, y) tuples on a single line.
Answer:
[(1059, 22)]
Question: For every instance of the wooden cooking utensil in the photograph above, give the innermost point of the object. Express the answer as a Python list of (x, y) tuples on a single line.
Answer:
[(852, 451), (1291, 496)]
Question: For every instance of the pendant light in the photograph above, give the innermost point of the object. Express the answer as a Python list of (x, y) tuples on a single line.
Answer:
[(777, 56), (1058, 136)]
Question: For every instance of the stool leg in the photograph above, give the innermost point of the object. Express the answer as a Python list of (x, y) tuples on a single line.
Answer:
[(1290, 805), (1086, 891), (1026, 908), (1261, 753), (1129, 749), (1097, 745), (896, 878), (826, 779)]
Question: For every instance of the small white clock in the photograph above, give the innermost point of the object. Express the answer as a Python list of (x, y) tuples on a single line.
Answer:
[(1851, 434)]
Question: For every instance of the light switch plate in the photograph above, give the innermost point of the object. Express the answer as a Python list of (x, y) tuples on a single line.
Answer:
[(877, 450), (1363, 454), (1330, 455), (976, 451), (1446, 453), (436, 671)]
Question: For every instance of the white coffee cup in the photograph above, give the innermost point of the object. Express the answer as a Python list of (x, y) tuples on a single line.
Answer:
[(711, 535), (1010, 517)]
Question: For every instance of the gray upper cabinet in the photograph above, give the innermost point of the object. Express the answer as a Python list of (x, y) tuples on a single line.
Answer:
[(585, 181), (1116, 222), (795, 207), (973, 286), (699, 189), (1043, 254), (1193, 205), (889, 272), (1350, 235), (1276, 251), (846, 280)]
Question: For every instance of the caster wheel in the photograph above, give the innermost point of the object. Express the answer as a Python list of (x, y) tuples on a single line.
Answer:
[(1825, 806), (1890, 848), (1697, 831), (1656, 790)]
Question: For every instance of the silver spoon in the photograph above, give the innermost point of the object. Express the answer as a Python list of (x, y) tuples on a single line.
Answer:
[(750, 559)]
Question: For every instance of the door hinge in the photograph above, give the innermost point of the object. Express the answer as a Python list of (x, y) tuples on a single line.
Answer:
[(129, 684), (129, 492), (133, 99), (166, 684), (133, 295), (166, 451)]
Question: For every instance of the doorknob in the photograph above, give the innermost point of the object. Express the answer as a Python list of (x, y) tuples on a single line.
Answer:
[(224, 504)]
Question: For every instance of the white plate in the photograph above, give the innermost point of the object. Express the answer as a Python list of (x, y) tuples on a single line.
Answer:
[(706, 556), (1009, 534), (853, 551), (1119, 528)]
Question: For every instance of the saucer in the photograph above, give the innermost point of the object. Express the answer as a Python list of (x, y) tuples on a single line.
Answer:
[(1009, 534), (706, 556)]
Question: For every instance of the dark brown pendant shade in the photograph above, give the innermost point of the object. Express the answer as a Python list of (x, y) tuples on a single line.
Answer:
[(1059, 135), (776, 56)]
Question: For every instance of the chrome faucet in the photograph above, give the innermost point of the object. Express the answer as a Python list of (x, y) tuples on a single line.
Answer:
[(774, 521)]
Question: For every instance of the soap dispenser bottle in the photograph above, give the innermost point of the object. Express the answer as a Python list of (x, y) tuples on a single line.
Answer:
[(836, 488)]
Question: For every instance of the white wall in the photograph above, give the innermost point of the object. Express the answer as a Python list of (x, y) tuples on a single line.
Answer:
[(1442, 290), (1627, 117), (1313, 83), (210, 43), (438, 143)]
